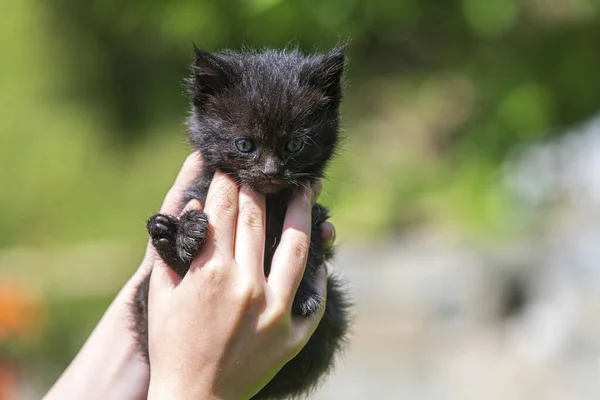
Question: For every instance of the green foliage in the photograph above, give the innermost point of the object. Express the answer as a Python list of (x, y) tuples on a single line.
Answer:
[(91, 133), (490, 18)]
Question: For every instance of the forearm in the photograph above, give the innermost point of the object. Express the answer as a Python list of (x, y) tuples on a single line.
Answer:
[(108, 365)]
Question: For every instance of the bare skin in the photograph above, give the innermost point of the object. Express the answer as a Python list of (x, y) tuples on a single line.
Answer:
[(108, 365)]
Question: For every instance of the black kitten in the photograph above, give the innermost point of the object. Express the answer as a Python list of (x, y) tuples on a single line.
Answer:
[(270, 119)]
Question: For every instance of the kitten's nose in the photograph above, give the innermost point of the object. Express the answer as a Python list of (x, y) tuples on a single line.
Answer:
[(270, 168)]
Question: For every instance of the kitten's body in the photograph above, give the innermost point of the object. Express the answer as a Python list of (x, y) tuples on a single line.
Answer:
[(272, 101)]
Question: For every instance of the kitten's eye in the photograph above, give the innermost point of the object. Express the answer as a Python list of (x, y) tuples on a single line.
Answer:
[(245, 145), (294, 145)]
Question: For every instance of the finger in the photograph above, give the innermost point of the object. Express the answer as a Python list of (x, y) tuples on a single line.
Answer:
[(307, 326), (222, 209), (190, 169), (328, 234), (250, 232), (193, 204), (290, 257)]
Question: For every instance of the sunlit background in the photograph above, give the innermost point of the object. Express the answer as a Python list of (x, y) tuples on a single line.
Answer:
[(466, 197)]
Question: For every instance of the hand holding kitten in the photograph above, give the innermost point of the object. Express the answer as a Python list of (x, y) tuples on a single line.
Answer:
[(232, 328), (111, 351)]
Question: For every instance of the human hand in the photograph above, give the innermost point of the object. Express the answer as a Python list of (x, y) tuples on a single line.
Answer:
[(224, 330), (111, 351)]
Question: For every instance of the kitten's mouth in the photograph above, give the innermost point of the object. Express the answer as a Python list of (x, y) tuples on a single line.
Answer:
[(270, 187)]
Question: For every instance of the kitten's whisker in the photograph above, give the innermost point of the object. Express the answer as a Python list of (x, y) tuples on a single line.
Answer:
[(304, 185), (313, 141), (326, 194)]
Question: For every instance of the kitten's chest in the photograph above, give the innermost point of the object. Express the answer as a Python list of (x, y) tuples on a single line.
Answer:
[(276, 208)]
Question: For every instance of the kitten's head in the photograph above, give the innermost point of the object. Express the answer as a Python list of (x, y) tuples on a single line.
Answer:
[(268, 118)]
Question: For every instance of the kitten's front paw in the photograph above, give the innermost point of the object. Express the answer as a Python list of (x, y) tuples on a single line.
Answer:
[(191, 234), (163, 232)]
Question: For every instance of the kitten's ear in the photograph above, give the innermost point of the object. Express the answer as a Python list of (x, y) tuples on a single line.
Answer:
[(326, 73), (210, 74)]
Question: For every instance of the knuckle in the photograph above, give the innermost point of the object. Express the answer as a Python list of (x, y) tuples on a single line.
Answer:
[(281, 315), (300, 248), (251, 216), (214, 274), (256, 295), (249, 293), (223, 202)]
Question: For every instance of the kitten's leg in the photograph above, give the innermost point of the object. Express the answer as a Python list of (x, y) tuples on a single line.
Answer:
[(193, 226), (178, 241), (139, 311), (163, 232)]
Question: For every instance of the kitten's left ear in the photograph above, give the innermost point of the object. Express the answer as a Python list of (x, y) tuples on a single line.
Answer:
[(326, 73), (210, 74)]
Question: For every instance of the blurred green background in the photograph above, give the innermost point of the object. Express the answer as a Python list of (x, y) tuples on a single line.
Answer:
[(438, 94)]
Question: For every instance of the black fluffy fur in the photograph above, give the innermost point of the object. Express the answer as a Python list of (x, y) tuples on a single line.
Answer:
[(269, 97)]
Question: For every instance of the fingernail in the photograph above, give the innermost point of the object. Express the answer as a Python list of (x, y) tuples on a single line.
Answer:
[(329, 243), (193, 204)]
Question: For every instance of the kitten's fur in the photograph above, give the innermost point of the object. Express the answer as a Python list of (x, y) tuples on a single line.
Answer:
[(268, 97)]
